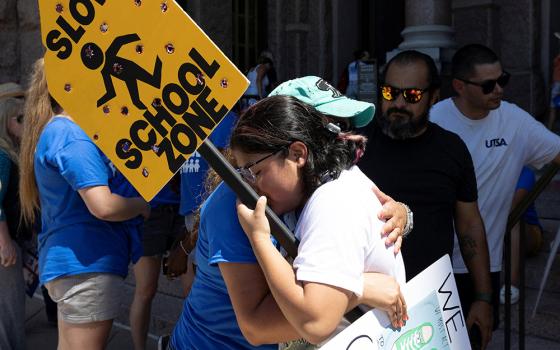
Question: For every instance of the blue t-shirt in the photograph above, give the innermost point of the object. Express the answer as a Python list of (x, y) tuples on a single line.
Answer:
[(527, 182), (208, 320), (72, 241), (193, 172), (166, 196)]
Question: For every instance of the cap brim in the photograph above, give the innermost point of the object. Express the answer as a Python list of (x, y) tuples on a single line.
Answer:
[(359, 112)]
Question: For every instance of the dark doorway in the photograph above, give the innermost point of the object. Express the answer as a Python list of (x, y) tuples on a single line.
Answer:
[(389, 23), (249, 31)]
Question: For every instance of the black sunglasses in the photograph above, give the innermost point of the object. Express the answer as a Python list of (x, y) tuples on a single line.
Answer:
[(410, 95), (489, 85)]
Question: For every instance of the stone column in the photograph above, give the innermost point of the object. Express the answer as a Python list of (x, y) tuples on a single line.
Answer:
[(300, 38), (29, 30), (9, 65), (428, 30)]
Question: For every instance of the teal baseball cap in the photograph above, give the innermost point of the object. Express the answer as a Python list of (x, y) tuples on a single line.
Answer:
[(326, 99)]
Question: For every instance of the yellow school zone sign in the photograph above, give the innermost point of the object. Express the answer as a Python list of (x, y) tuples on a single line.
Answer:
[(140, 78)]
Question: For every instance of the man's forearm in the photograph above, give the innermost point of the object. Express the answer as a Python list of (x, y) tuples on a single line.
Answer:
[(474, 250)]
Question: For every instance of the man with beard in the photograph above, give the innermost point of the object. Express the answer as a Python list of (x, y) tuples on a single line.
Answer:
[(501, 138), (431, 169)]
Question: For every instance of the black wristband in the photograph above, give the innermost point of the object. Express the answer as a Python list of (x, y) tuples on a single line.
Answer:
[(486, 297)]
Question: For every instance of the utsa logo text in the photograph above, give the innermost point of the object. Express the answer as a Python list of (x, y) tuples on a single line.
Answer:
[(495, 143)]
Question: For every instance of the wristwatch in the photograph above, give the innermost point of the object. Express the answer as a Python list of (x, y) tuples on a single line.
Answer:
[(409, 220)]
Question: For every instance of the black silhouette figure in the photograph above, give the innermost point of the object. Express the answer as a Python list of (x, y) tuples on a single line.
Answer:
[(325, 86), (120, 68)]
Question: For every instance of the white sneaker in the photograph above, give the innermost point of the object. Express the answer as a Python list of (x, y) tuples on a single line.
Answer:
[(514, 295)]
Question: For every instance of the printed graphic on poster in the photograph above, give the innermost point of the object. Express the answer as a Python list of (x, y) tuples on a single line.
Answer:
[(367, 81), (436, 318), (141, 78)]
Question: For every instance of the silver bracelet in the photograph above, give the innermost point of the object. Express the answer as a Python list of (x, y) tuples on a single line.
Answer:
[(182, 247), (409, 220)]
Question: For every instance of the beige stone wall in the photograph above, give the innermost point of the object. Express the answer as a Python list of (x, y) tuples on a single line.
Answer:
[(20, 39)]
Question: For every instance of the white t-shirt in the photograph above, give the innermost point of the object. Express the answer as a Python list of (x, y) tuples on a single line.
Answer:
[(500, 145), (340, 238)]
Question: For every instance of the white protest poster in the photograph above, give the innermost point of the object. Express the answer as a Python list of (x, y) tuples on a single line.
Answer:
[(141, 78), (436, 318)]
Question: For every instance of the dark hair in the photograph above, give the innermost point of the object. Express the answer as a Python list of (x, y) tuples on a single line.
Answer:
[(265, 60), (468, 56), (413, 56), (275, 122)]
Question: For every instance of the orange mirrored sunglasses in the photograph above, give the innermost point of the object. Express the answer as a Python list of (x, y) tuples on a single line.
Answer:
[(410, 95)]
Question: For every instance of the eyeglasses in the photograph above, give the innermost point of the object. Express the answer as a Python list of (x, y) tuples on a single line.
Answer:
[(410, 95), (246, 171), (489, 85)]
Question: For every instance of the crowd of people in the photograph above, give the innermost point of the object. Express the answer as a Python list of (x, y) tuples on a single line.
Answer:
[(454, 163)]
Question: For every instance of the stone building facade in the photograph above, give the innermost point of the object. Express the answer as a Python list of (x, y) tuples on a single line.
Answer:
[(318, 37), (20, 39)]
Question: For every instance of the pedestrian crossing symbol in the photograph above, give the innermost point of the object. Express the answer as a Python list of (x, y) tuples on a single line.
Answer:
[(141, 78)]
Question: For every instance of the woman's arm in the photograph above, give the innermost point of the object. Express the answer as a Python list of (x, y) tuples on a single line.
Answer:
[(313, 309), (108, 206), (383, 292), (8, 254), (260, 319)]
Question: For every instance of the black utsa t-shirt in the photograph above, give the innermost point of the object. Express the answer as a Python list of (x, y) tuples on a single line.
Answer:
[(429, 173)]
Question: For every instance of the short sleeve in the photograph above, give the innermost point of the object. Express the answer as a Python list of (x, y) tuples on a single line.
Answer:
[(81, 164), (227, 241), (332, 245), (542, 145)]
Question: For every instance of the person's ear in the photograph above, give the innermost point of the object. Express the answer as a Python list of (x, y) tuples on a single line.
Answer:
[(458, 86), (434, 97), (298, 153)]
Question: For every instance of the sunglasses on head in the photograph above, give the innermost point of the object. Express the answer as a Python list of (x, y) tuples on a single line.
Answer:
[(489, 85), (410, 95)]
